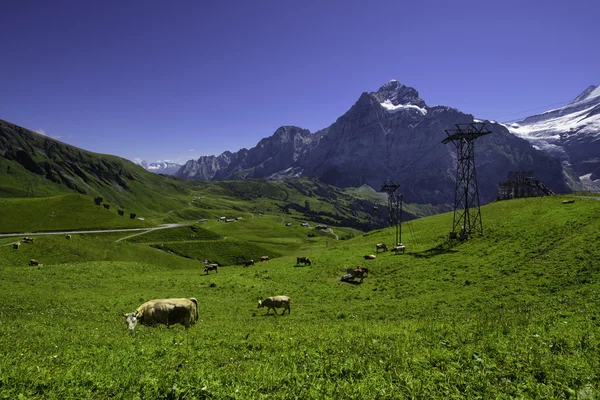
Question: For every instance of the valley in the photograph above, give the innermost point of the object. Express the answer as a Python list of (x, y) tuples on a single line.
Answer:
[(510, 314)]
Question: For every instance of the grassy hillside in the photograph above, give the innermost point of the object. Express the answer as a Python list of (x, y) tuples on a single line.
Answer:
[(66, 212), (513, 314)]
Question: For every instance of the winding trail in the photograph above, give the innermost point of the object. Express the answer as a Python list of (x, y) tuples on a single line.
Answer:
[(329, 230), (144, 230)]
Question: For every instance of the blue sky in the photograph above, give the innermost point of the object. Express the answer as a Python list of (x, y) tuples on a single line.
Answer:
[(175, 80)]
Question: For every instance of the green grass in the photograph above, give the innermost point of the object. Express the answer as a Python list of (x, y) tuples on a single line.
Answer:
[(66, 212), (184, 233), (513, 314)]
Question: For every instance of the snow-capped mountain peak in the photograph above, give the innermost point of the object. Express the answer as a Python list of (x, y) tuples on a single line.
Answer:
[(588, 94), (158, 167), (394, 93)]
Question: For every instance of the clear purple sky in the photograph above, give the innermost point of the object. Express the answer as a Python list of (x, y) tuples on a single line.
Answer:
[(175, 80)]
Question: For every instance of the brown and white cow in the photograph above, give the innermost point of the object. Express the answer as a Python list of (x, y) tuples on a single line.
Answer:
[(28, 239), (380, 246), (248, 263), (264, 258), (275, 302), (34, 262), (164, 311), (16, 245)]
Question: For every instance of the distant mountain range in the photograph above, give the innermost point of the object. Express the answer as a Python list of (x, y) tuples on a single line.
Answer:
[(159, 167), (388, 134), (571, 133)]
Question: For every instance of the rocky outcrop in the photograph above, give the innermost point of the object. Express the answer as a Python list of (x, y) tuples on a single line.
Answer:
[(287, 147)]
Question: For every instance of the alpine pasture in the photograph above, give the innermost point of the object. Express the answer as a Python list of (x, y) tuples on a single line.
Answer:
[(512, 314)]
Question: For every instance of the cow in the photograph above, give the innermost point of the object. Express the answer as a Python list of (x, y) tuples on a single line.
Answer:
[(27, 239), (34, 262), (275, 302), (400, 248), (68, 237), (16, 245), (354, 273), (380, 246), (369, 256), (358, 270), (210, 267), (362, 270), (264, 258), (164, 311), (248, 263), (303, 260)]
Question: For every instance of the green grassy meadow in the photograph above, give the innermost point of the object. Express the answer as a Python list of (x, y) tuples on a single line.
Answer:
[(513, 314)]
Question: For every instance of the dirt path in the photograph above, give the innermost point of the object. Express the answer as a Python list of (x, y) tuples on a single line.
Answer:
[(331, 231), (145, 230)]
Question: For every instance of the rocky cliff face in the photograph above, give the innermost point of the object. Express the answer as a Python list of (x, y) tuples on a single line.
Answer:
[(287, 147), (388, 134)]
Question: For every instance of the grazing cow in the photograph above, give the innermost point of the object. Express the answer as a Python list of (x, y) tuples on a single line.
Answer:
[(275, 302), (27, 239), (164, 311), (210, 267), (369, 256), (16, 245), (34, 262), (400, 248), (358, 270), (354, 273), (264, 258), (68, 237), (380, 246), (248, 263), (303, 260)]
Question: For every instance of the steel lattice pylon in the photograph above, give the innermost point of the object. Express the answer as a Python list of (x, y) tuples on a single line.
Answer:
[(394, 207), (467, 213)]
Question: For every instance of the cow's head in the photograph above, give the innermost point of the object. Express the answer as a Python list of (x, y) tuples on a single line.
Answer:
[(260, 304), (131, 320)]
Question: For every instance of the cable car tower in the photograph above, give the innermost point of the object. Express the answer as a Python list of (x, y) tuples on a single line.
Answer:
[(467, 213), (394, 207)]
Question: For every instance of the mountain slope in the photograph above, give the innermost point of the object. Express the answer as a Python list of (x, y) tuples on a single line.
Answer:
[(273, 155), (33, 165), (572, 133), (388, 134), (55, 167)]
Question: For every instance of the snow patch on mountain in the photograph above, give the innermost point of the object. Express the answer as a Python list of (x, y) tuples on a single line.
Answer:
[(551, 129), (391, 108), (158, 167), (590, 184)]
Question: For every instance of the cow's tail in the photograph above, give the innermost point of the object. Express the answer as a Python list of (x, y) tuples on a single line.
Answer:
[(196, 313)]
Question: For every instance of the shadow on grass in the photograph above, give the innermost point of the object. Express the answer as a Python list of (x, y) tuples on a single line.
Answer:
[(444, 248)]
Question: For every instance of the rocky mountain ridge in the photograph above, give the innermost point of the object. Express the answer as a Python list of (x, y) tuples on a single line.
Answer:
[(388, 134)]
